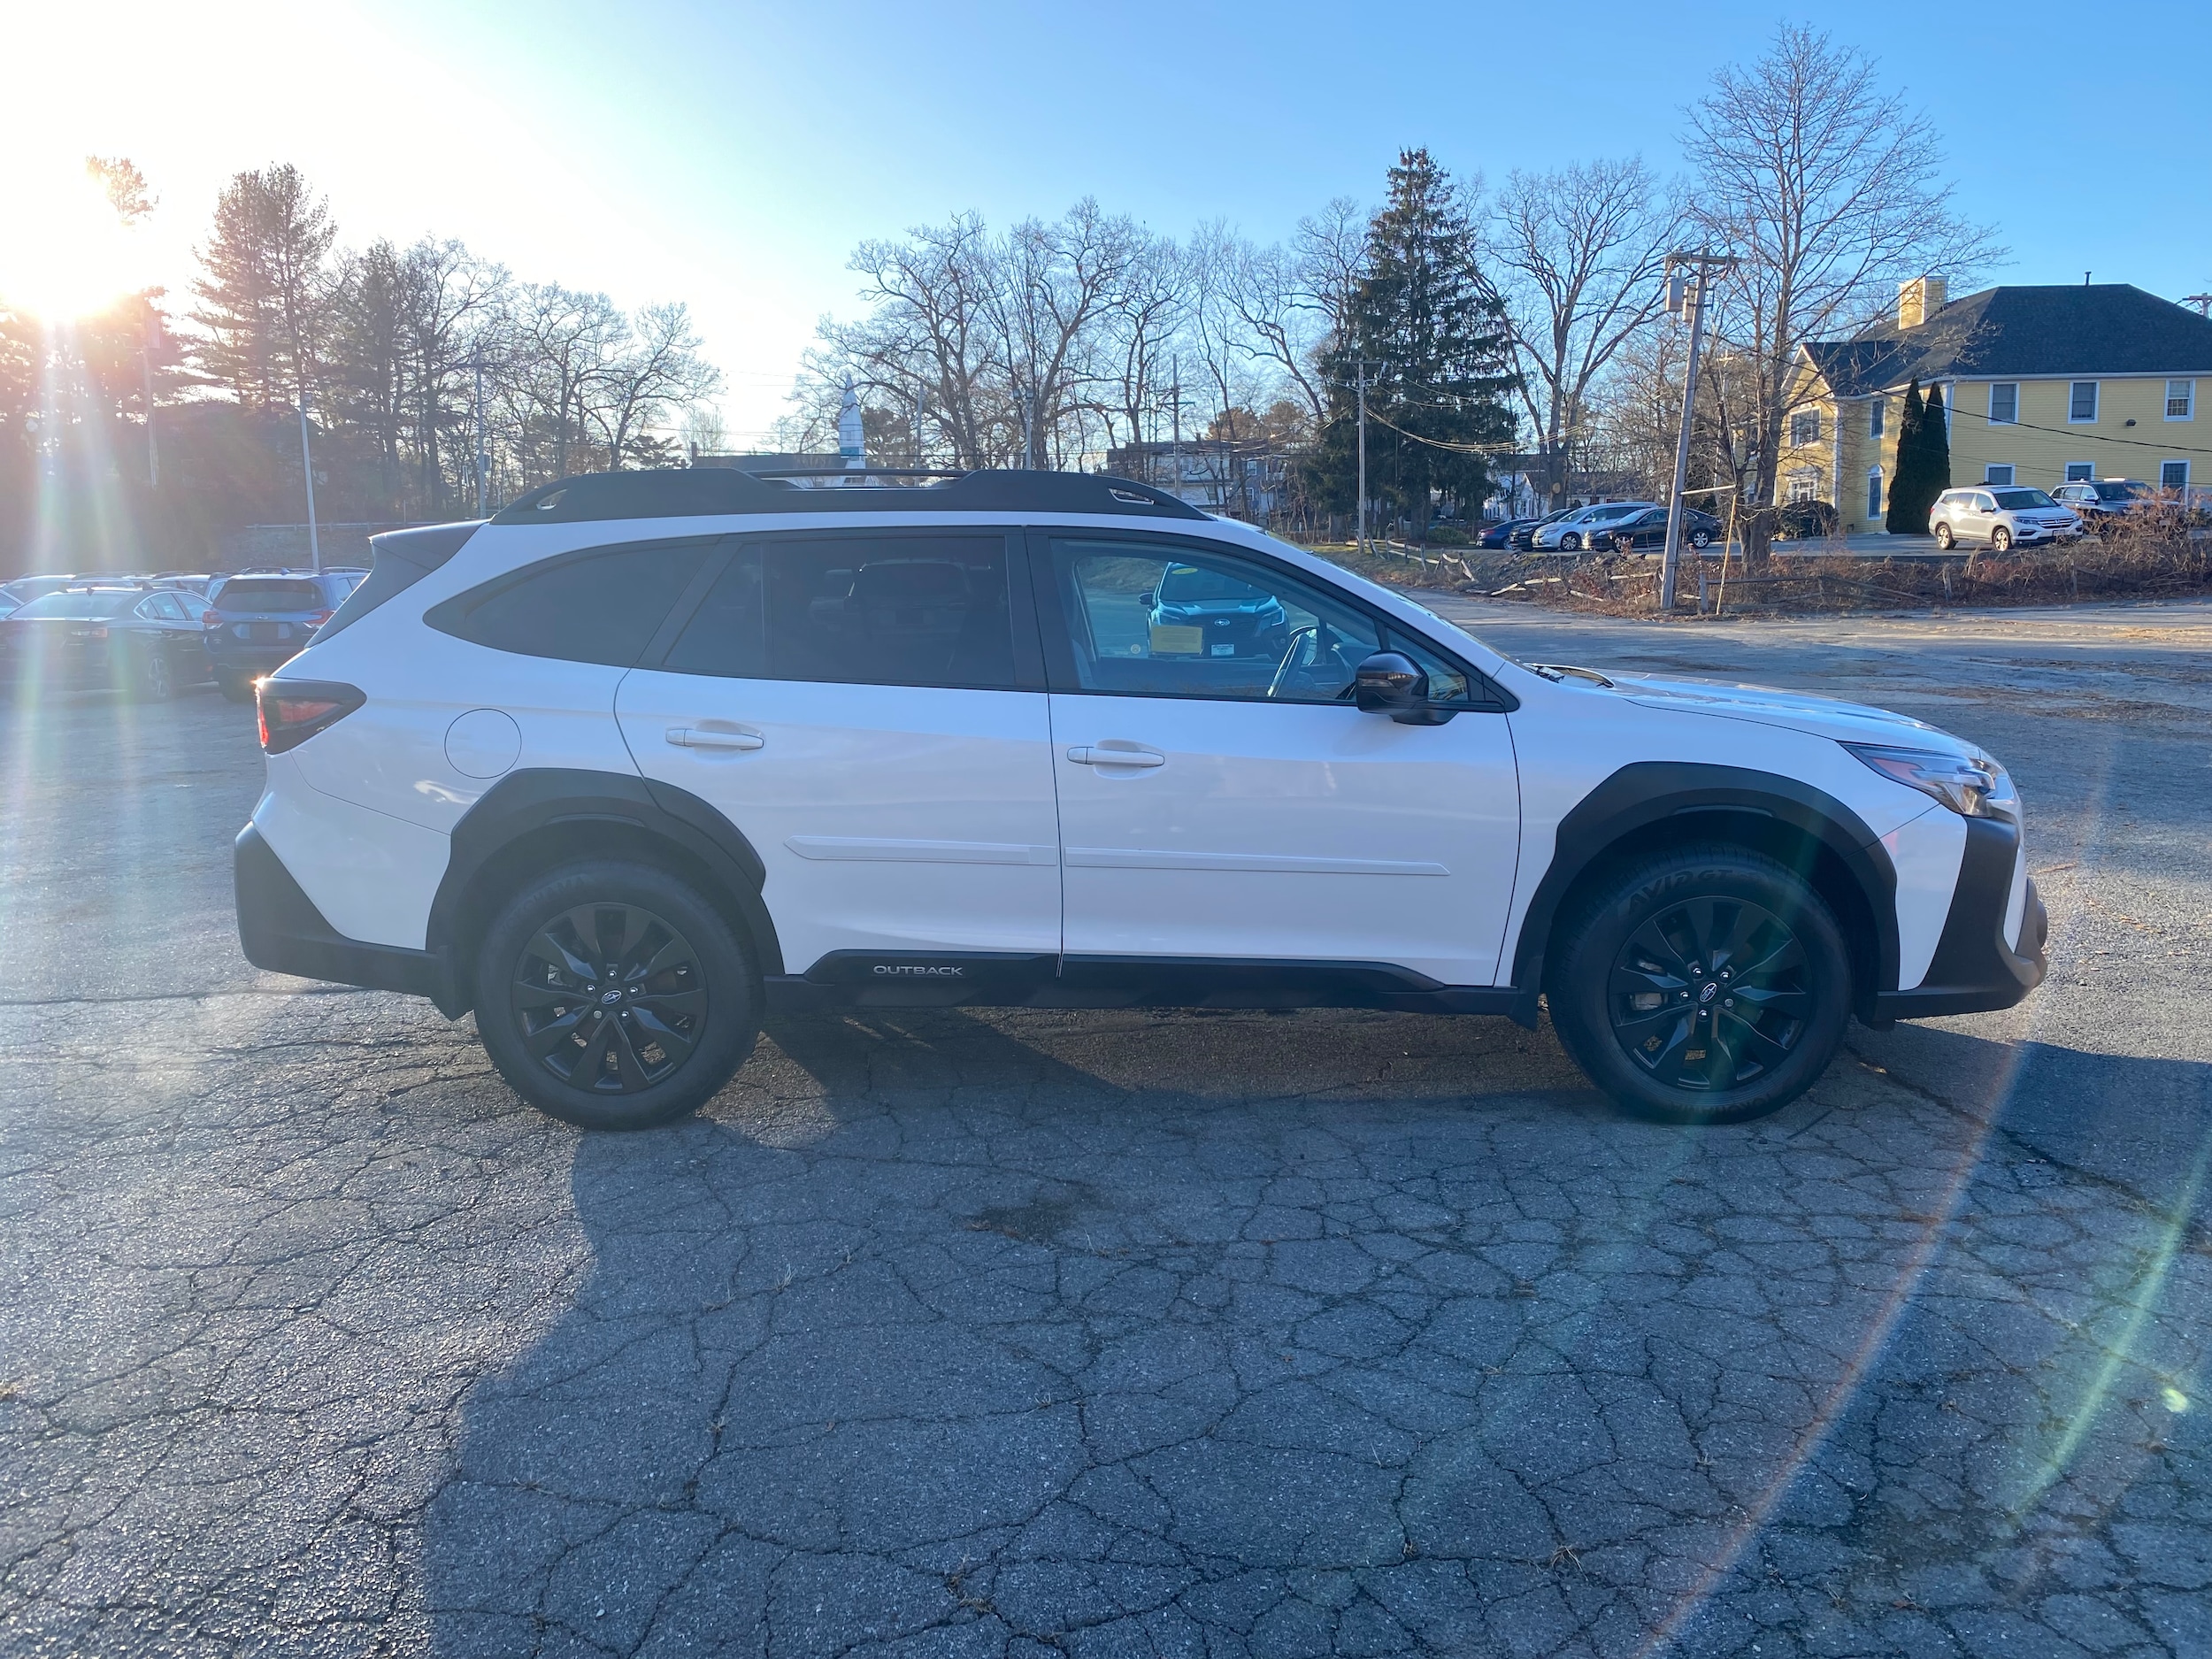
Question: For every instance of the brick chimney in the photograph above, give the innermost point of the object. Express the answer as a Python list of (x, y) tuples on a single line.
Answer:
[(1918, 300)]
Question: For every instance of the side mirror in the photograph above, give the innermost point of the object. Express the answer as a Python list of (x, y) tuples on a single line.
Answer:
[(1148, 599), (1392, 683)]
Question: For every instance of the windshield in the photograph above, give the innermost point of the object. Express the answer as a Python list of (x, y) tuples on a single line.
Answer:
[(2013, 499), (1186, 584), (82, 607), (249, 593)]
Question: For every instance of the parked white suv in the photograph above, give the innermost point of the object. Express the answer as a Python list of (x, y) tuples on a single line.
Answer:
[(1999, 517), (1586, 527), (648, 754)]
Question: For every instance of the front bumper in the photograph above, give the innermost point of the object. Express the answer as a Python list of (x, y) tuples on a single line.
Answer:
[(281, 930), (1975, 968)]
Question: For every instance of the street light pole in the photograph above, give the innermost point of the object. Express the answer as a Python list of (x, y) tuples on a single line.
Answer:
[(481, 459), (1681, 289), (307, 467), (1359, 507), (146, 357)]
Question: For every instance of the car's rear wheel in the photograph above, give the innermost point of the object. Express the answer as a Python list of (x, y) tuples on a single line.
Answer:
[(614, 996), (153, 679), (2001, 539), (1944, 538), (1708, 985)]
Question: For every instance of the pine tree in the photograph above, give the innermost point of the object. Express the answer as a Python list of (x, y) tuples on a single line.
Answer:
[(265, 300), (1431, 334), (1936, 444), (1905, 473)]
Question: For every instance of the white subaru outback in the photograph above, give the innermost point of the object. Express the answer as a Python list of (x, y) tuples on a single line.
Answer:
[(650, 754)]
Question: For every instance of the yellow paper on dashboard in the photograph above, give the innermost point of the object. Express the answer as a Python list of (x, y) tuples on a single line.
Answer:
[(1172, 641)]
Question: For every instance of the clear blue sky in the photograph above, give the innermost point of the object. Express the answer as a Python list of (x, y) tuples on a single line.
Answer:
[(732, 155)]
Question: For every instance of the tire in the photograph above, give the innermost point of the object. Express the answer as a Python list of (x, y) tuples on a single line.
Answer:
[(1701, 539), (1571, 543), (2001, 539), (237, 687), (153, 678), (568, 1058), (1944, 538), (1652, 931)]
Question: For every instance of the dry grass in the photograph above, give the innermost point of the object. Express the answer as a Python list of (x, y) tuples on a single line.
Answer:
[(2138, 560)]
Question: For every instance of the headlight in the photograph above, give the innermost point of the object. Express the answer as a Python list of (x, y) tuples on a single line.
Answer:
[(1972, 788)]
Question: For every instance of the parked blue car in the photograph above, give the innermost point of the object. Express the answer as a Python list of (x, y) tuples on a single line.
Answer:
[(257, 620)]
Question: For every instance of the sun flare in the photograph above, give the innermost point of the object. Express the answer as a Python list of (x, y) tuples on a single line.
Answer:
[(64, 252)]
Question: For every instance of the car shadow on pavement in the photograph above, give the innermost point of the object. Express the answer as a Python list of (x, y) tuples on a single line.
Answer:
[(941, 1330)]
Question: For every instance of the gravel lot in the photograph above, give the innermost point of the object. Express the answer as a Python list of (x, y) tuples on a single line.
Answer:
[(1117, 1333)]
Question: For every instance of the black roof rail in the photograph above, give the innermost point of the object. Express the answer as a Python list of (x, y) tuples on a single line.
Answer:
[(713, 491)]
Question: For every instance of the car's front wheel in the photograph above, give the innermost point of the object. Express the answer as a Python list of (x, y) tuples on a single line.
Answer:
[(1701, 539), (2001, 539), (614, 996), (1708, 985), (1571, 543)]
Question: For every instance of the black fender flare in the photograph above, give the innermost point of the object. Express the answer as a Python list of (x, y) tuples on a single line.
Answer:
[(537, 798), (1650, 792)]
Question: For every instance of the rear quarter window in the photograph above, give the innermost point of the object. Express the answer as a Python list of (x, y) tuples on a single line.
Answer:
[(601, 606)]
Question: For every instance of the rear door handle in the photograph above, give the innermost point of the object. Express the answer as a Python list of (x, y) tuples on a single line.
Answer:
[(1086, 754), (691, 737)]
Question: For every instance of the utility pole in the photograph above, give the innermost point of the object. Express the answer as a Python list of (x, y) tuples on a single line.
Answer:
[(1684, 290), (1175, 407), (1359, 507), (307, 467), (146, 357), (482, 459)]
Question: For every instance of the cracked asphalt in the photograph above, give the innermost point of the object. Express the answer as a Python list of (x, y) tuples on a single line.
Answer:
[(1102, 1333)]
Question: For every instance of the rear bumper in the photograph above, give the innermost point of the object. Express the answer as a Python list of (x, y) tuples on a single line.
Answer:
[(281, 930), (1976, 969)]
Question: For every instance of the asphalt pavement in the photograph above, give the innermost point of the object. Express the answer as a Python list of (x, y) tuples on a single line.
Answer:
[(1096, 1333)]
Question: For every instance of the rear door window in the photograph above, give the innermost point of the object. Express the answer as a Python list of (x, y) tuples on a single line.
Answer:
[(878, 610), (601, 606)]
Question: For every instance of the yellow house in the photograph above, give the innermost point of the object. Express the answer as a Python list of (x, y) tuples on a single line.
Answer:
[(2041, 385)]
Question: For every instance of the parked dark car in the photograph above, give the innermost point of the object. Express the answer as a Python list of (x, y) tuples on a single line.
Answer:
[(1806, 521), (145, 642), (257, 620), (1647, 532), (1499, 535)]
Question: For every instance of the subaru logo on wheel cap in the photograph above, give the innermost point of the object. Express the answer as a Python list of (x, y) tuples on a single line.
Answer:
[(1707, 993), (610, 997)]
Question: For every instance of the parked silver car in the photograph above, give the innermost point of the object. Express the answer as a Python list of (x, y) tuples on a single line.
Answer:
[(1585, 527), (1999, 517)]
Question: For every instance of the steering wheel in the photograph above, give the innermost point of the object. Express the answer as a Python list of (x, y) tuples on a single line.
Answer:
[(1308, 638)]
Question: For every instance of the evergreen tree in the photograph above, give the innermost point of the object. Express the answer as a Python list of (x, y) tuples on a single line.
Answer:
[(1937, 443), (1906, 473), (1431, 333), (265, 300)]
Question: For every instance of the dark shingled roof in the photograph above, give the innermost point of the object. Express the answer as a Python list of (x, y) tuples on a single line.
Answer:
[(2112, 328)]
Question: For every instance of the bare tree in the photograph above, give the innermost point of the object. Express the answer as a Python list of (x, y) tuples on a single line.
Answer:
[(1056, 286), (1580, 252), (656, 369), (1825, 188)]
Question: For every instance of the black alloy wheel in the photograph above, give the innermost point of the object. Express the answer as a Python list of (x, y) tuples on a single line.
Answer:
[(611, 998), (157, 680), (614, 995), (1707, 984), (1709, 994)]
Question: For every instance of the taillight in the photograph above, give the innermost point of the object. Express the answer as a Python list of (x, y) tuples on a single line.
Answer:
[(319, 618), (293, 711), (208, 619)]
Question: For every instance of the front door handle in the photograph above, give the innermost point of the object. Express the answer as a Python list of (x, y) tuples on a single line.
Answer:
[(1086, 754), (692, 737)]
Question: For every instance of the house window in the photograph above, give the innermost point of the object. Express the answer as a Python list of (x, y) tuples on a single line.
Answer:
[(1996, 474), (1805, 428), (1877, 411), (2080, 472), (2004, 403), (1873, 492), (2173, 475), (1805, 484), (2181, 400), (2081, 401)]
